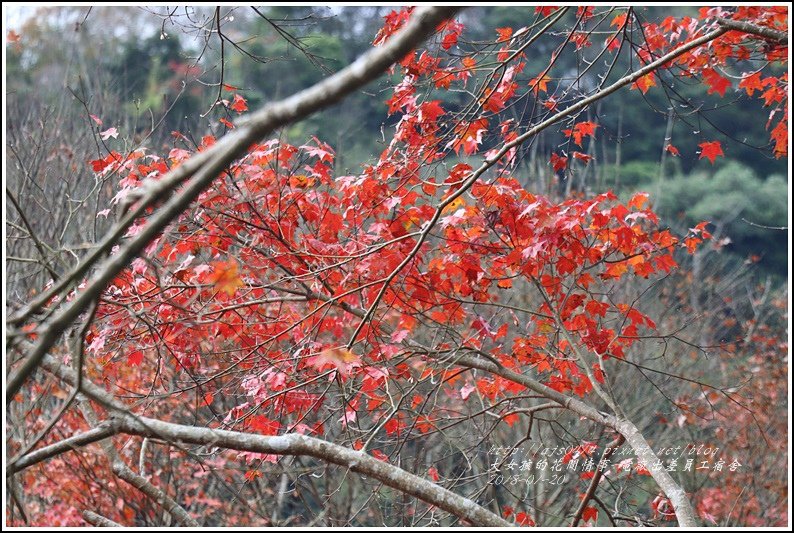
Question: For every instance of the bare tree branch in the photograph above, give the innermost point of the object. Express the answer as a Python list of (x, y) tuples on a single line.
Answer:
[(296, 444), (610, 449), (98, 520), (76, 442), (768, 33)]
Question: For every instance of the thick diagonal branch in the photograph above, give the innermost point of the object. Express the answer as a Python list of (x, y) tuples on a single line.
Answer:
[(772, 34)]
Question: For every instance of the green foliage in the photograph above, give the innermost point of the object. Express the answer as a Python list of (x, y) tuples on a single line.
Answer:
[(142, 61), (632, 175), (732, 198), (148, 74)]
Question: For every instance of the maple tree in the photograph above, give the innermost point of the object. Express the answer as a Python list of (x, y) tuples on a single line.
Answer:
[(253, 307)]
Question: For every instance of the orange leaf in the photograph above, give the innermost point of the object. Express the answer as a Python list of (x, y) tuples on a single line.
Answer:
[(340, 357), (615, 270), (540, 84), (751, 83), (619, 20), (780, 136), (252, 475), (638, 200), (504, 33), (225, 276), (454, 205), (644, 83), (299, 181)]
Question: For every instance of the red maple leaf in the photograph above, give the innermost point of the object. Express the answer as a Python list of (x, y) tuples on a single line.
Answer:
[(470, 135), (582, 157), (98, 165), (523, 519), (380, 456), (432, 472), (612, 43), (590, 513), (662, 507), (717, 84), (558, 162), (239, 104), (580, 130), (393, 22), (710, 150), (134, 358), (751, 83), (431, 110), (453, 29), (581, 39), (545, 11)]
